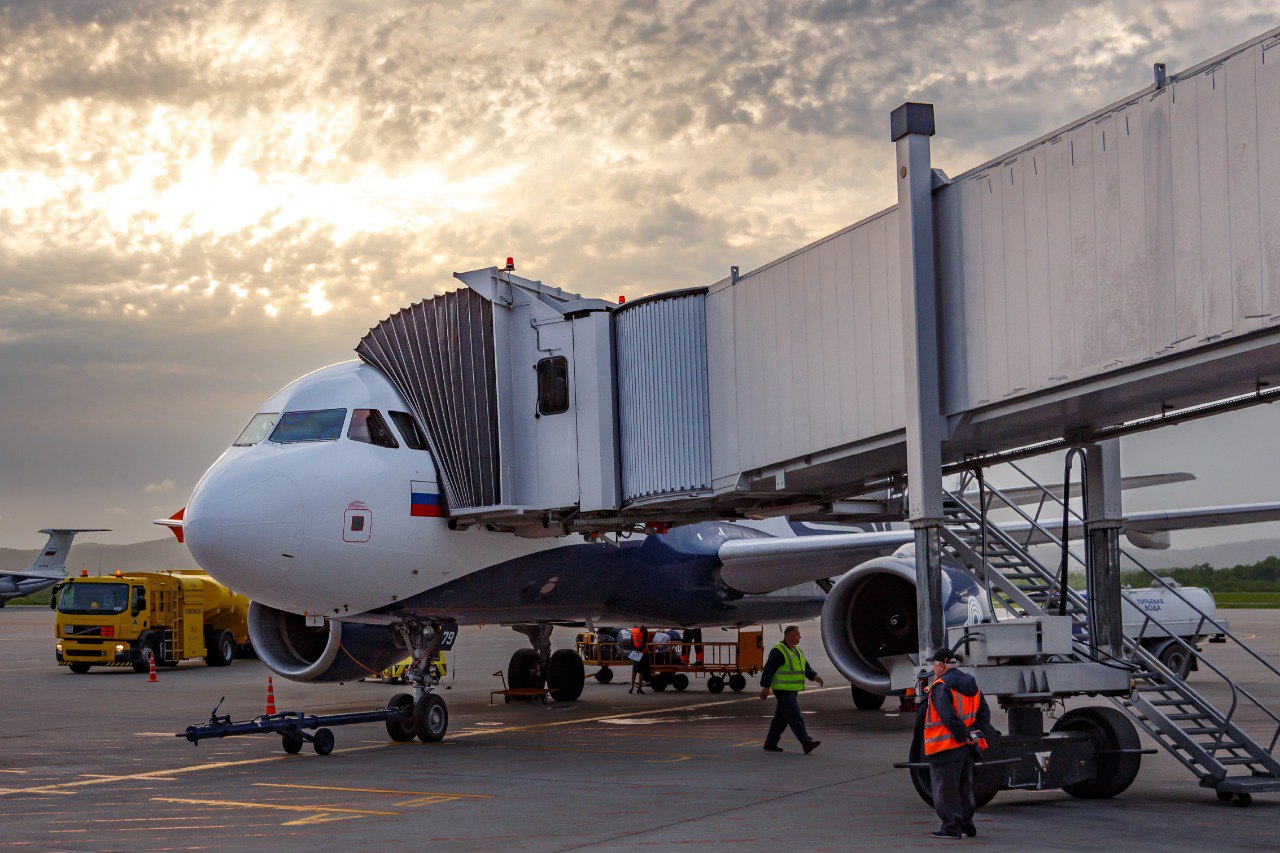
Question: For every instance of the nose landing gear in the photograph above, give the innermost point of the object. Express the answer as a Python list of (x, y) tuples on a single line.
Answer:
[(430, 720)]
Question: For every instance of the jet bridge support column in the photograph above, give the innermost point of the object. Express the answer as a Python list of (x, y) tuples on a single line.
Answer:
[(1102, 531), (911, 125)]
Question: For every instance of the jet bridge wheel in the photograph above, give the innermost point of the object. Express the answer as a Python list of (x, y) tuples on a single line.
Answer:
[(565, 675), (865, 700), (1110, 730), (402, 730), (430, 718), (987, 781)]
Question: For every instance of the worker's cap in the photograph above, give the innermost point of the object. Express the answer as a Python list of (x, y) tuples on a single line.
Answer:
[(944, 656)]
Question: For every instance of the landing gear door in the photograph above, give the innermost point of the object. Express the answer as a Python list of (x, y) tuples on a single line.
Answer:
[(448, 636)]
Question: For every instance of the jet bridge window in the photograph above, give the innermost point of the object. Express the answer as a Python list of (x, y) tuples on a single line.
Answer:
[(553, 385), (369, 427), (409, 430), (259, 428), (321, 425)]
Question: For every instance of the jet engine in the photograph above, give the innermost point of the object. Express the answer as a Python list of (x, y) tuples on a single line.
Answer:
[(339, 651), (870, 614)]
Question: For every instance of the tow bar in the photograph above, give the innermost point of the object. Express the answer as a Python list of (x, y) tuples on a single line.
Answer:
[(292, 726)]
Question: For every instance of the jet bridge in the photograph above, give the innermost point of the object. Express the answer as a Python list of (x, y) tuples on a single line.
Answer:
[(1119, 273), (1117, 269)]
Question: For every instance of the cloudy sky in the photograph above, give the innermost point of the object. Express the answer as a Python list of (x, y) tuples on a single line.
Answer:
[(200, 201)]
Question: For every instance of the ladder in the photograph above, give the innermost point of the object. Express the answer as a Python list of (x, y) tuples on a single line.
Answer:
[(1206, 739)]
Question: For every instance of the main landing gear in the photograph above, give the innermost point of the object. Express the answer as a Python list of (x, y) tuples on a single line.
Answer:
[(429, 720), (561, 672)]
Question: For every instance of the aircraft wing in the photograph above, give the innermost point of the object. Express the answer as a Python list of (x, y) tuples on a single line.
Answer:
[(1150, 529), (763, 565)]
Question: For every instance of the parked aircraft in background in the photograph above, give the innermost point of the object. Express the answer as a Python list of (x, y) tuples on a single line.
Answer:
[(47, 569)]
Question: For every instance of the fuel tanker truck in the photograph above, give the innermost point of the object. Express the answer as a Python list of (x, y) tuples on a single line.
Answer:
[(133, 619)]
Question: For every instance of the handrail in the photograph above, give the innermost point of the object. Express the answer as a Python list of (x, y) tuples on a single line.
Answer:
[(1136, 649)]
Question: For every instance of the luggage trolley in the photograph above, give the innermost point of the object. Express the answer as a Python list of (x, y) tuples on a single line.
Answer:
[(722, 662)]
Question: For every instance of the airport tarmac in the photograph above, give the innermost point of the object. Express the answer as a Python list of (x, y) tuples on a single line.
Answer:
[(89, 762)]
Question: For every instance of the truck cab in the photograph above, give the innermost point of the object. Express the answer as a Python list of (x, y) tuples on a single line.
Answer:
[(135, 619)]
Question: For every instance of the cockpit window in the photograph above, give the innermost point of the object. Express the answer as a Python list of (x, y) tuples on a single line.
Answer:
[(322, 425), (259, 428), (368, 426), (409, 430)]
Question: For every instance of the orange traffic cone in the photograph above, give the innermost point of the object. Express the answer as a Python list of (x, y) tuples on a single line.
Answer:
[(151, 674), (271, 697)]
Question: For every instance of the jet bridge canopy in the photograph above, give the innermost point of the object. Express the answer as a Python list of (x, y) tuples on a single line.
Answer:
[(1113, 269)]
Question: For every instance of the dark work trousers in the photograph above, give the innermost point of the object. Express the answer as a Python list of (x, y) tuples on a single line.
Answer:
[(787, 713), (951, 774), (691, 636)]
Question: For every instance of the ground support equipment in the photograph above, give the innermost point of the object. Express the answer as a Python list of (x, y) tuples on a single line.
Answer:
[(723, 663)]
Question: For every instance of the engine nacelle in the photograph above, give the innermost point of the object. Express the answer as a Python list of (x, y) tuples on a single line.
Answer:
[(339, 651), (870, 614)]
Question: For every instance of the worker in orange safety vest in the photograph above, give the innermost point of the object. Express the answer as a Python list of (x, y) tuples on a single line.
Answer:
[(955, 718)]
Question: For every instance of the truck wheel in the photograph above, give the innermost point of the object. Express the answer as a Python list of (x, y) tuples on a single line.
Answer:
[(323, 741), (865, 700), (222, 651), (565, 675), (1175, 658), (401, 730), (78, 668), (430, 719), (1110, 730), (149, 651), (291, 744)]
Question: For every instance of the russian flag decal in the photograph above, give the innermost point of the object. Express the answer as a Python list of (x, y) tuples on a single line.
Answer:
[(424, 501)]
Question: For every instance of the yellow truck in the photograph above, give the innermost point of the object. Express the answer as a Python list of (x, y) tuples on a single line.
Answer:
[(132, 619)]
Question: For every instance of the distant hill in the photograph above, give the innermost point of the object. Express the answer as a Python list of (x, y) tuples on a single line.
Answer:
[(154, 555)]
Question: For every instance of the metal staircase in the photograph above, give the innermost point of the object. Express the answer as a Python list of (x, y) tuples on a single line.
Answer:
[(1208, 740)]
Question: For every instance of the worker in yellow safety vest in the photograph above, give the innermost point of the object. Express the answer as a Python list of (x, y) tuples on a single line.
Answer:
[(955, 717), (784, 673)]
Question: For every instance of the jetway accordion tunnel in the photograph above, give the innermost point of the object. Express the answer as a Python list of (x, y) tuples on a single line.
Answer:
[(1114, 269)]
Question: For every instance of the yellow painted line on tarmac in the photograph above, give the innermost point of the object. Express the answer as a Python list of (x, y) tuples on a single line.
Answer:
[(124, 820), (371, 790), (315, 809), (15, 771), (163, 775), (684, 755)]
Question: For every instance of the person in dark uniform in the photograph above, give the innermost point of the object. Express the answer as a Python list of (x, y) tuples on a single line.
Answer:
[(955, 716), (785, 672)]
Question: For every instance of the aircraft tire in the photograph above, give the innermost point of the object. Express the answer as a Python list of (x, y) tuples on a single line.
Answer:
[(715, 684), (430, 719), (402, 730), (865, 700), (737, 682), (565, 675), (323, 741), (605, 675), (680, 682), (78, 668), (222, 651), (524, 671), (1110, 730)]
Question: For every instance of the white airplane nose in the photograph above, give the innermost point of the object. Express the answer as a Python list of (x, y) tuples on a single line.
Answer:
[(244, 527)]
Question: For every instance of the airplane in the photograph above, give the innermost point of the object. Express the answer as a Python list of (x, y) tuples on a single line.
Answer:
[(327, 512), (46, 569)]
